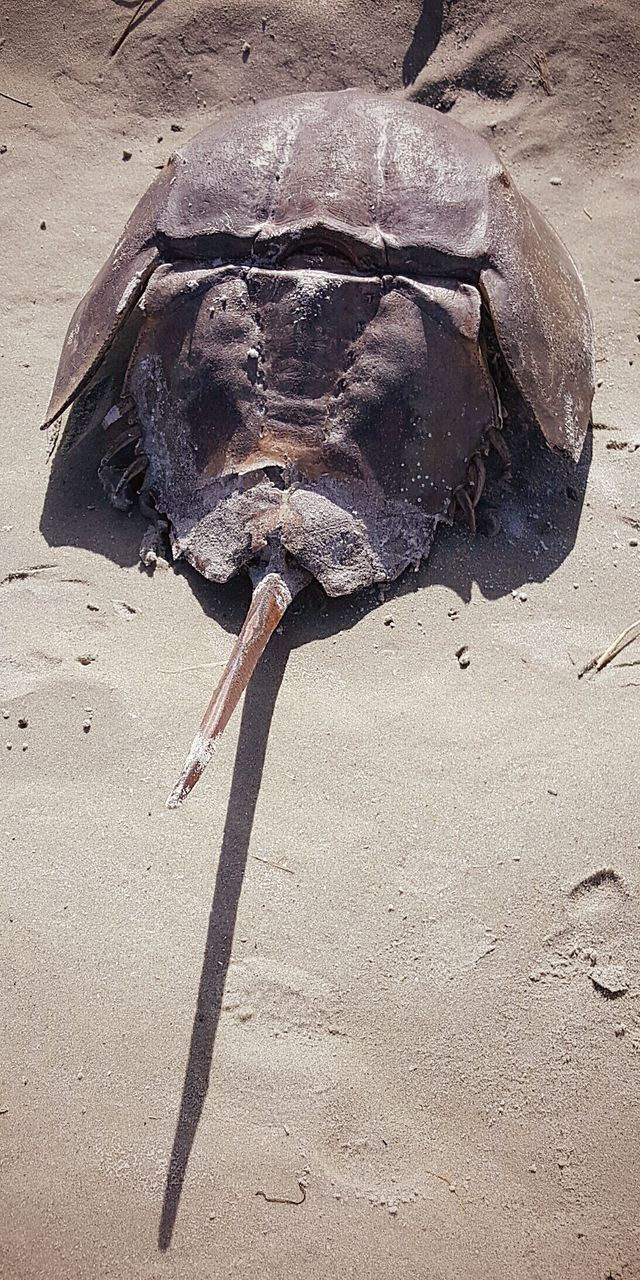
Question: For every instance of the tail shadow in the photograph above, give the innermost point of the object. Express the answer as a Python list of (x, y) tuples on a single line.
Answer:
[(257, 713), (425, 40), (142, 9)]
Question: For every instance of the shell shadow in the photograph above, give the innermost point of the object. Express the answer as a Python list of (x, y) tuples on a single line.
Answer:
[(538, 515), (76, 512)]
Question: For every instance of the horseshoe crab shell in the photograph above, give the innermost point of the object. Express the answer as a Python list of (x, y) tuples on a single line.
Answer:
[(390, 184), (307, 385)]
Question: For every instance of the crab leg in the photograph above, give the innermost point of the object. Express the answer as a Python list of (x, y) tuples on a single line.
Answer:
[(466, 505), (127, 437), (478, 478), (272, 594), (501, 447)]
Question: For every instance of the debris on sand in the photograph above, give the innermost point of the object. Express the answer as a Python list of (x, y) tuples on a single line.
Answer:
[(19, 575), (125, 610), (625, 638), (610, 979), (20, 101), (286, 1199)]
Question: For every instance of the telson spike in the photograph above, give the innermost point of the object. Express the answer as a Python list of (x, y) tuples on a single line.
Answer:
[(273, 592)]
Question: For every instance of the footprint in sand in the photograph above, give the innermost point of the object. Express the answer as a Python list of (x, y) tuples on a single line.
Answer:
[(596, 907), (597, 895)]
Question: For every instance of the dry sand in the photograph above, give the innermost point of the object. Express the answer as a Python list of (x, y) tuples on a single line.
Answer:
[(391, 998)]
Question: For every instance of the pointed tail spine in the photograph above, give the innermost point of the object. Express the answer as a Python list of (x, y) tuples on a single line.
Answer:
[(272, 595)]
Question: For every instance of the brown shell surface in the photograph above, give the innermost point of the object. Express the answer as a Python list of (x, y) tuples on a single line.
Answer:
[(389, 185), (334, 413)]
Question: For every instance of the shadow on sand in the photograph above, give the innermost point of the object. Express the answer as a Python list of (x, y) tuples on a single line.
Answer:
[(425, 40), (142, 9), (245, 787), (534, 522), (526, 529)]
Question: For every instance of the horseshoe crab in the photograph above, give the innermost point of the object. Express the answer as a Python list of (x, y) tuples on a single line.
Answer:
[(294, 332)]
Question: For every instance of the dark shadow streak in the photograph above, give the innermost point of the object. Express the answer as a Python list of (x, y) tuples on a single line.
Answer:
[(245, 787), (143, 9), (425, 40)]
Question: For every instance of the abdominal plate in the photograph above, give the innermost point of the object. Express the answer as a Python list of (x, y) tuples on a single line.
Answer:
[(333, 413)]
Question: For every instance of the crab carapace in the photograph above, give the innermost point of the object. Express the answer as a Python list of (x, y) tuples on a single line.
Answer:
[(296, 314)]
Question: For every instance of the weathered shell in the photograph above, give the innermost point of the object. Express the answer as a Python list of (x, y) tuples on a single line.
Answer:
[(306, 388), (394, 187), (332, 413)]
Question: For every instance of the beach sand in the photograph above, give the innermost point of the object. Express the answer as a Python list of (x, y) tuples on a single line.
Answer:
[(362, 959)]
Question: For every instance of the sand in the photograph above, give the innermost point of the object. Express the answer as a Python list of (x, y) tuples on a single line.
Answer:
[(375, 954)]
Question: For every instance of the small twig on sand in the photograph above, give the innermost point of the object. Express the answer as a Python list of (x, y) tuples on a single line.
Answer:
[(285, 1199), (179, 671), (537, 63), (589, 215), (20, 101), (441, 1176), (625, 638), (541, 65), (19, 575), (131, 23), (278, 865)]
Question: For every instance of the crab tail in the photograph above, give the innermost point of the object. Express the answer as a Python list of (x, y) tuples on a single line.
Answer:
[(273, 591)]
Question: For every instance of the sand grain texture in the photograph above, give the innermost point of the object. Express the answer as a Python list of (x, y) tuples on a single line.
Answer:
[(406, 1018)]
